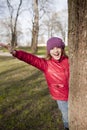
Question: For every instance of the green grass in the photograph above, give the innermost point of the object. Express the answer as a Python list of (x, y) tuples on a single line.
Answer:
[(41, 50), (25, 103)]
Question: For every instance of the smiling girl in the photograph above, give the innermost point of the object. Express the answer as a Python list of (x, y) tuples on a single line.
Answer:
[(56, 70)]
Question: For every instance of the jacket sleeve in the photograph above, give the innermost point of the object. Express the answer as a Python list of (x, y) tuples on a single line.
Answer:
[(31, 59)]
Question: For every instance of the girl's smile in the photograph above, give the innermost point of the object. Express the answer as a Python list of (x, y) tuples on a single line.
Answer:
[(56, 53)]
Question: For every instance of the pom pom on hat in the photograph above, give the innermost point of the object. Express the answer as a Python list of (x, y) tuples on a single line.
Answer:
[(54, 42)]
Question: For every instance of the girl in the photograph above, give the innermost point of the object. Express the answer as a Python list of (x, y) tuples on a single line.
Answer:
[(56, 71)]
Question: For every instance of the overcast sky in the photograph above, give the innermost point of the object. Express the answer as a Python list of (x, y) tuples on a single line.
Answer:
[(57, 4), (60, 4)]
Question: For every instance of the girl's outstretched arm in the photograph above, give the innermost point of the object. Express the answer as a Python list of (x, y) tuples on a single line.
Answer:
[(36, 61)]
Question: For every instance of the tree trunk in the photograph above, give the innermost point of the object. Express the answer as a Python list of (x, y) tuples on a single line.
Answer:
[(35, 28), (14, 39), (13, 25), (78, 64)]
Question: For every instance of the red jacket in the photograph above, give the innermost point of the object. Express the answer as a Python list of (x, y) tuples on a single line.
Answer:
[(56, 73)]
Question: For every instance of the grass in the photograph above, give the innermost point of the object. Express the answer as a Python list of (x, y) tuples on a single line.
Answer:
[(25, 102), (41, 50)]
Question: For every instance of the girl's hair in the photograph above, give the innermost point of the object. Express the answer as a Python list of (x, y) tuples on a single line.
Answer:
[(48, 56)]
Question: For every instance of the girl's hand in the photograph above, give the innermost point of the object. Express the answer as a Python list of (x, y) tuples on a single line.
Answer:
[(4, 45), (10, 49)]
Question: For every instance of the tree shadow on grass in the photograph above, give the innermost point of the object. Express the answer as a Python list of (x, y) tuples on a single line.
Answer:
[(6, 58), (27, 105)]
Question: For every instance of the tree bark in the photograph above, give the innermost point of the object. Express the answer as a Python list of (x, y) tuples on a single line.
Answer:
[(78, 64), (35, 28)]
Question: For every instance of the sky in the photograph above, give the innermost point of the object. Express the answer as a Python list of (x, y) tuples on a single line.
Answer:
[(60, 4), (57, 4)]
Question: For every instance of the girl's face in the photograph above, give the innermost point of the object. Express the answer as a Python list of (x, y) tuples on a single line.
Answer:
[(56, 53)]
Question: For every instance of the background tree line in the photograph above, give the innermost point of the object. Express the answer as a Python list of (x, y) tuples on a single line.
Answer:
[(43, 21)]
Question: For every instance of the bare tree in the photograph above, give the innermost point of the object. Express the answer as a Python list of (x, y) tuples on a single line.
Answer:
[(13, 21), (35, 28), (78, 64), (5, 30), (39, 9), (53, 25), (58, 25)]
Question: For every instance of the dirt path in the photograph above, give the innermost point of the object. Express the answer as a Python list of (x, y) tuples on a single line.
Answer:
[(5, 54)]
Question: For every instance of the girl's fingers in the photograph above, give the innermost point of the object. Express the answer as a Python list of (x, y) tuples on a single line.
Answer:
[(6, 46), (3, 45)]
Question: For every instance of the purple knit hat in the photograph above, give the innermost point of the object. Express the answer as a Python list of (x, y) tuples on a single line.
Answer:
[(54, 42)]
